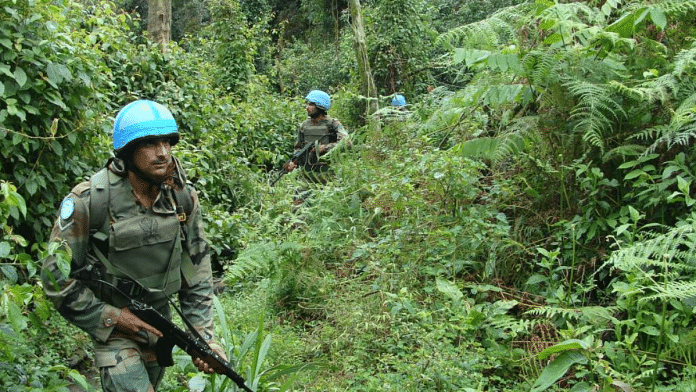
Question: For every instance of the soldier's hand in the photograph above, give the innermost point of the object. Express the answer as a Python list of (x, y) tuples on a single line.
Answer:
[(203, 365), (129, 323), (290, 166)]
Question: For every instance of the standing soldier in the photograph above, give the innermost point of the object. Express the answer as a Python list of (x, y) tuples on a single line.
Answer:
[(133, 229), (321, 130)]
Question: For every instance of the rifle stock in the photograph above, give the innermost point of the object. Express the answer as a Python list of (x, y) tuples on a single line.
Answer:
[(192, 343)]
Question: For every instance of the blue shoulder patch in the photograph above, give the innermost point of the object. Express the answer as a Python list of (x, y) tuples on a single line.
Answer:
[(67, 208)]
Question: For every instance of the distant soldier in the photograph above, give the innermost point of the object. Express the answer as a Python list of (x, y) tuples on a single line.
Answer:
[(134, 229), (395, 113), (319, 128), (399, 101)]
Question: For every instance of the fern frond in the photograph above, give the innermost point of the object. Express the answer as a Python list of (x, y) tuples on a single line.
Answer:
[(676, 6), (514, 325), (545, 66), (682, 126), (663, 256), (594, 112), (650, 133), (655, 90), (260, 259), (684, 61), (488, 33), (622, 152), (597, 315), (671, 290), (569, 23)]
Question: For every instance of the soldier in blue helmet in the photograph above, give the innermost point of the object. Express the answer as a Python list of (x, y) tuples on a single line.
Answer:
[(134, 229), (322, 133), (319, 128)]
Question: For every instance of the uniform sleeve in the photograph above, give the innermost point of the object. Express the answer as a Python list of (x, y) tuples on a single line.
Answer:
[(341, 134), (72, 299), (196, 294)]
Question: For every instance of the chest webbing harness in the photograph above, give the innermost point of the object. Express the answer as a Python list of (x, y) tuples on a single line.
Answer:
[(111, 276), (313, 132)]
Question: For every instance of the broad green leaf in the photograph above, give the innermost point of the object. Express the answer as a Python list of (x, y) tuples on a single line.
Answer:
[(658, 17), (556, 369), (10, 273), (534, 279), (15, 317), (570, 344), (54, 77), (643, 13), (449, 289), (20, 76), (650, 330), (635, 215), (31, 188), (5, 249), (553, 38), (634, 174)]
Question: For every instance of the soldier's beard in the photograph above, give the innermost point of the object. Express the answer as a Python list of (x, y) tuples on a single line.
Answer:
[(156, 181)]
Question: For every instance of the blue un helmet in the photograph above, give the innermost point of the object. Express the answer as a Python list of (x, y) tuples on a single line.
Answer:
[(319, 98), (143, 119), (398, 100)]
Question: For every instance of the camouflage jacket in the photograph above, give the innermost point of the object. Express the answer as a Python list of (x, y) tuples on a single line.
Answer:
[(328, 129), (96, 316)]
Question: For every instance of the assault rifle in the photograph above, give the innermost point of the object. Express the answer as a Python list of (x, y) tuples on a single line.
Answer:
[(192, 342), (298, 157)]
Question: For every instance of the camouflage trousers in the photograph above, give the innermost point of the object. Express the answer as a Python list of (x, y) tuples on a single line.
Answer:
[(128, 364), (131, 373)]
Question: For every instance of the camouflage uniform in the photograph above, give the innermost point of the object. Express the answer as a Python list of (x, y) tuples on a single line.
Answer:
[(127, 362), (327, 131)]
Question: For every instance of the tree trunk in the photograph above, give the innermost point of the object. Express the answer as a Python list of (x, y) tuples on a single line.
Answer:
[(159, 21), (367, 82)]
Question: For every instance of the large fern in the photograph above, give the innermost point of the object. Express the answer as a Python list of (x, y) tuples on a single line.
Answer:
[(595, 113), (261, 259), (665, 261), (488, 33)]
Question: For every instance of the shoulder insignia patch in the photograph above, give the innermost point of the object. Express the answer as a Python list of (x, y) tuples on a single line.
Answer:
[(67, 208)]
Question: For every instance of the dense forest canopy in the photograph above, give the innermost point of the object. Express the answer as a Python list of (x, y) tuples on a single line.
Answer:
[(524, 223)]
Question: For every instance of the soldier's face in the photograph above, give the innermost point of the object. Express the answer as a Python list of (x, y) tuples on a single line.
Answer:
[(153, 157), (310, 108)]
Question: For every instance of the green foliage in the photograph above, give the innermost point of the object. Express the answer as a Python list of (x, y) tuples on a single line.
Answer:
[(234, 47), (302, 67), (399, 43), (52, 90), (535, 208), (25, 360)]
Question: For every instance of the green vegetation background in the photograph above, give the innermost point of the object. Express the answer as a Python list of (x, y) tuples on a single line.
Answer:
[(526, 223)]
